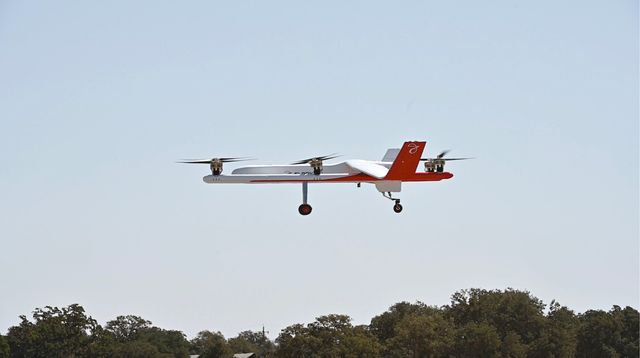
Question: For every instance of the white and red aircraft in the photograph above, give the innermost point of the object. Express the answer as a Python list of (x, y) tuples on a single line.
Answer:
[(397, 166)]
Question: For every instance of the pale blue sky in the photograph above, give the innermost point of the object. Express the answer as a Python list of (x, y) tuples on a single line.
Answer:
[(97, 100)]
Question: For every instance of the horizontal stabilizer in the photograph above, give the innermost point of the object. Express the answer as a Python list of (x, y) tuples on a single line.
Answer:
[(372, 169)]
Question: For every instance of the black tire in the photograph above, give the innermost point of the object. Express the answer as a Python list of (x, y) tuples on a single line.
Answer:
[(304, 209), (397, 208)]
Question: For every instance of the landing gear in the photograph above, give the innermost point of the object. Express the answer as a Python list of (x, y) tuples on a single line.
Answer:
[(396, 207), (304, 209)]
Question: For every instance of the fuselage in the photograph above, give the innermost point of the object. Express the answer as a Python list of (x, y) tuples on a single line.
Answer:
[(339, 173)]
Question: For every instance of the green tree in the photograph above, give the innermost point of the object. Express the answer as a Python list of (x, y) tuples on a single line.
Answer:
[(133, 336), (479, 340), (384, 325), (598, 335), (55, 332), (4, 347), (512, 346), (422, 335), (126, 328), (558, 338), (136, 349), (210, 345), (102, 344), (507, 311), (172, 343), (252, 342), (340, 339), (296, 341), (628, 346), (608, 334), (329, 336), (360, 343)]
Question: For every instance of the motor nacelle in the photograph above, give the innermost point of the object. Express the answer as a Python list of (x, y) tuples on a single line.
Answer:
[(216, 166), (434, 165), (316, 164)]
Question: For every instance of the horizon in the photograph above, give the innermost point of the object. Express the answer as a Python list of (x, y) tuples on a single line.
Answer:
[(271, 335)]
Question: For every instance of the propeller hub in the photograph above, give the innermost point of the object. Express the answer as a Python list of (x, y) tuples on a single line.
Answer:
[(316, 164)]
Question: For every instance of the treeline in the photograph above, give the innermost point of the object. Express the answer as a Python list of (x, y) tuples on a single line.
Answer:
[(477, 323)]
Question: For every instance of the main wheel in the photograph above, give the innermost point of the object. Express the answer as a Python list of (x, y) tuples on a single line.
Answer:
[(397, 208), (304, 209)]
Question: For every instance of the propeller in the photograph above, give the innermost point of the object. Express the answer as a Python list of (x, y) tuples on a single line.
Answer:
[(440, 157), (214, 163), (320, 158), (209, 161), (316, 162), (437, 164)]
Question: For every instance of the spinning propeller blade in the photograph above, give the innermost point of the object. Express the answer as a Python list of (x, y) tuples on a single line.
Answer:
[(441, 157), (321, 158), (208, 161)]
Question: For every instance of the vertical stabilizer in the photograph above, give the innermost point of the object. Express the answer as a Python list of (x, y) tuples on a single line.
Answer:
[(407, 161)]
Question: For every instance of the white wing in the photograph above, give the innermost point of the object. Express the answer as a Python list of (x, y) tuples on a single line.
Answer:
[(375, 170)]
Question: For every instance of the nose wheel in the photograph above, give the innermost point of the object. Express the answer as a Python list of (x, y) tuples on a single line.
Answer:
[(396, 207)]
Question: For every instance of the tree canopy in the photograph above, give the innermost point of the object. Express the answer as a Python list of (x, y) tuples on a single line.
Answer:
[(476, 323)]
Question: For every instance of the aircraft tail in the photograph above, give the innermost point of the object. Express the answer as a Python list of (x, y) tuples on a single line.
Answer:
[(407, 161), (391, 154)]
